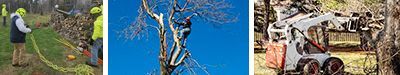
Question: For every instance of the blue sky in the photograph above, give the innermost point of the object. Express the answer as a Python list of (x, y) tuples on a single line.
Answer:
[(223, 50)]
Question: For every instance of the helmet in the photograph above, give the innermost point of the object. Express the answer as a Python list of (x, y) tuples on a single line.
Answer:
[(56, 6), (21, 12), (95, 10), (187, 18)]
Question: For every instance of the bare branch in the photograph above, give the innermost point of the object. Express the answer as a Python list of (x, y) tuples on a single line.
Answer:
[(171, 15), (184, 7), (187, 54), (206, 10), (146, 7), (213, 11), (178, 51)]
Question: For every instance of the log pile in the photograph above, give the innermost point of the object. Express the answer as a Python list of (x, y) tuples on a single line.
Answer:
[(73, 28)]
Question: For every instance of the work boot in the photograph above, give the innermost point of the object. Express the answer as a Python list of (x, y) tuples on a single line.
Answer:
[(15, 65), (179, 38), (23, 65), (183, 46), (90, 64)]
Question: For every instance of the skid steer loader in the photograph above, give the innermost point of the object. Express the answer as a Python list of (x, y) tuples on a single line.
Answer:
[(299, 45)]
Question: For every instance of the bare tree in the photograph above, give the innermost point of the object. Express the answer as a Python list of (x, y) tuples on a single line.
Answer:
[(215, 12), (388, 47), (266, 17)]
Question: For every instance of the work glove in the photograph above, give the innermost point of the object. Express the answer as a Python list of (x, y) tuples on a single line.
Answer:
[(27, 26), (91, 41)]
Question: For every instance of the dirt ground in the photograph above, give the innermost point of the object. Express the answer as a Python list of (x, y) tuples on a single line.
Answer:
[(354, 62)]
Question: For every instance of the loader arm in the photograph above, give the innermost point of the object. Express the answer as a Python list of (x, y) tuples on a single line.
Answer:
[(307, 23)]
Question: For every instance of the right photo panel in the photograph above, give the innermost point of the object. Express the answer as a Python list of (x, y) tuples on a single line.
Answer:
[(328, 37)]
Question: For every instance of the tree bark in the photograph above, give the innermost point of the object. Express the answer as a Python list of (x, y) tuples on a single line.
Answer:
[(266, 17), (388, 46), (167, 66)]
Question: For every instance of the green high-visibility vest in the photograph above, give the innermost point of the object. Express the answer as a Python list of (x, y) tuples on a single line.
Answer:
[(98, 28), (4, 11)]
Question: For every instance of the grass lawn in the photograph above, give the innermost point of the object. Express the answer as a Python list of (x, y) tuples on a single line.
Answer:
[(260, 67), (356, 62), (45, 39)]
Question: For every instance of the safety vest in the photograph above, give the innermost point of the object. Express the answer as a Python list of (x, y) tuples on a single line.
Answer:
[(4, 12), (16, 36), (98, 28)]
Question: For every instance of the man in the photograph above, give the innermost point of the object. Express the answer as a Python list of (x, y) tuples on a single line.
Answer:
[(17, 36), (4, 14), (185, 31), (97, 35)]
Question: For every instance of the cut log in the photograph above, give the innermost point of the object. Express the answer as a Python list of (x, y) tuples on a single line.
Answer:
[(73, 28)]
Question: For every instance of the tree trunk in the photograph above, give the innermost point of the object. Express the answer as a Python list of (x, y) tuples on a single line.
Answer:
[(388, 46), (266, 17), (163, 53)]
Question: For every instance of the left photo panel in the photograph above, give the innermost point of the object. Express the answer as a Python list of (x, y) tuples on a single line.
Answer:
[(51, 37)]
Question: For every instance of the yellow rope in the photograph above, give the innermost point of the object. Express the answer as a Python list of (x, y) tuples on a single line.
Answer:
[(66, 43), (80, 69)]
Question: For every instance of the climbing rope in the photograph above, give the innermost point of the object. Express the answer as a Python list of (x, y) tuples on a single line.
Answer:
[(66, 43), (80, 69)]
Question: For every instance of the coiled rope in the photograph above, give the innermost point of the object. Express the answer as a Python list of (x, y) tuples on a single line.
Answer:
[(80, 69)]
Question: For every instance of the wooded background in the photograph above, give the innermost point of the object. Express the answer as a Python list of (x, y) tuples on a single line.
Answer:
[(46, 6)]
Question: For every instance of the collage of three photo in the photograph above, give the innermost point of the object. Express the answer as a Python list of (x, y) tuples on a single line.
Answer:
[(200, 37)]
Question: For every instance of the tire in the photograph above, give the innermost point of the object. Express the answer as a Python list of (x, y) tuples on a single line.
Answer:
[(309, 67), (333, 66)]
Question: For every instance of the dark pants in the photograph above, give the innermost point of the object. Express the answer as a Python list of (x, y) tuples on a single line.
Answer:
[(4, 21)]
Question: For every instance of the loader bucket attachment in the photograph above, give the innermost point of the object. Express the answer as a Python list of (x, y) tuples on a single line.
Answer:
[(275, 55)]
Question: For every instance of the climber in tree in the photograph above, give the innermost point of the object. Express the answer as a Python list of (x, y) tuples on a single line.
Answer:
[(185, 30)]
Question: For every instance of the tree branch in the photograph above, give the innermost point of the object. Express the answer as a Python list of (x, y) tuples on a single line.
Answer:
[(148, 10), (162, 36), (187, 54), (208, 11), (178, 49), (184, 7)]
